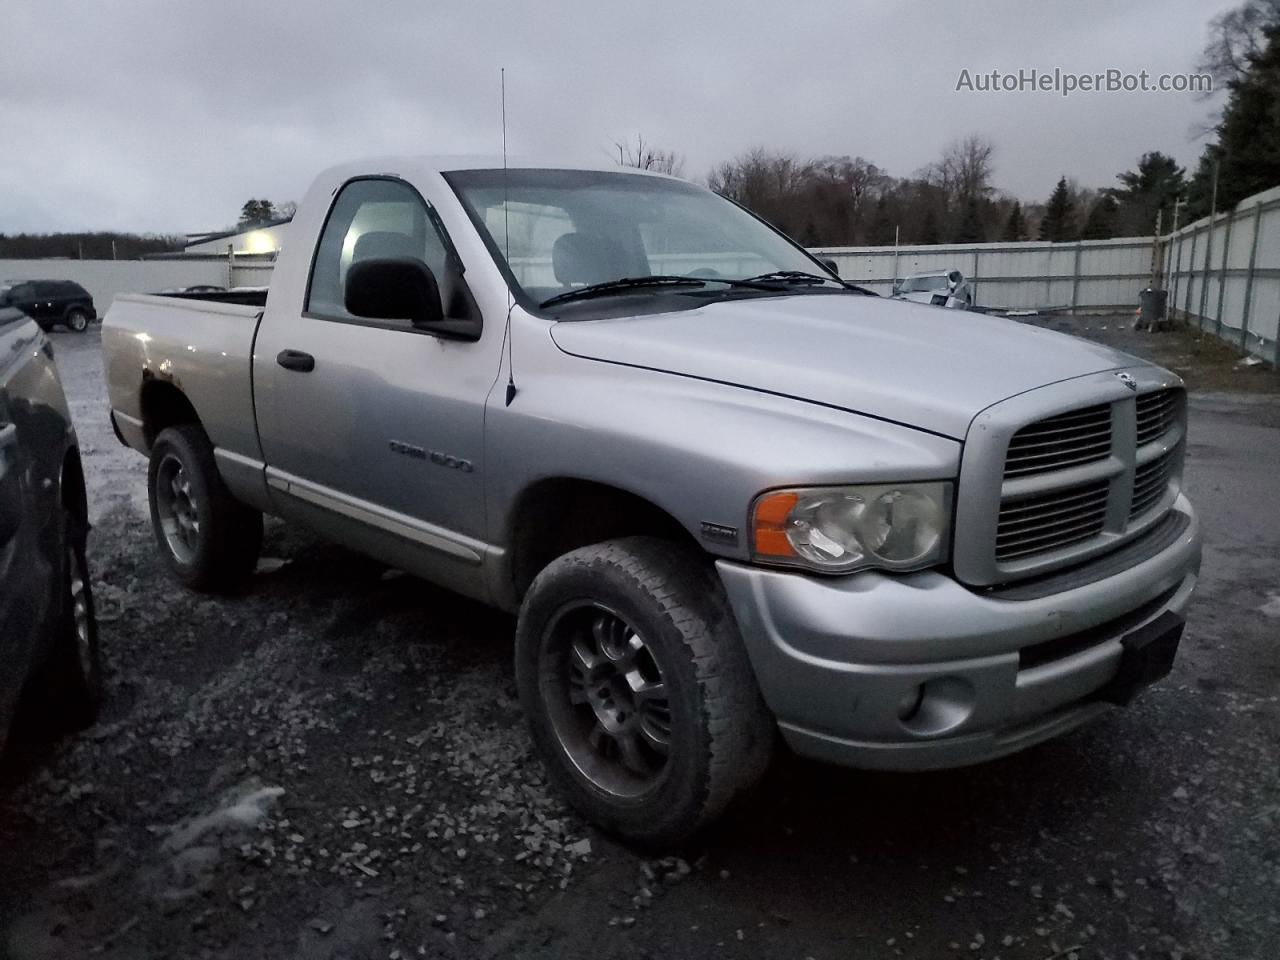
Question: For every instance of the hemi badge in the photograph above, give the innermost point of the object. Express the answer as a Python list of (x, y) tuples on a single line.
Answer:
[(719, 533)]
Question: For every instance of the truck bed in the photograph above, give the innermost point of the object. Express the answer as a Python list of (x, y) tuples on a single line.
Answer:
[(200, 343)]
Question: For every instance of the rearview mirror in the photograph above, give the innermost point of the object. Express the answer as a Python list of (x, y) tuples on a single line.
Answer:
[(394, 288)]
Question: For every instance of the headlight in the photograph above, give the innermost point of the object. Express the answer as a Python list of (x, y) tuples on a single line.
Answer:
[(900, 526)]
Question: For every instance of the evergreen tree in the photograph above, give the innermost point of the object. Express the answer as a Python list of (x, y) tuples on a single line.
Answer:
[(1015, 228), (1248, 148), (1153, 186), (970, 229), (1101, 223), (881, 233), (1058, 225), (929, 230)]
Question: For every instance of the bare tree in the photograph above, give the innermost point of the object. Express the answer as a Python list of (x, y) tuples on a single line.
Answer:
[(645, 156), (1236, 38), (966, 167)]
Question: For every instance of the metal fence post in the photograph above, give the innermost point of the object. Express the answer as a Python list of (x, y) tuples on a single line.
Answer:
[(1222, 274), (1075, 276), (973, 287), (1191, 275), (1248, 283), (1175, 275), (1204, 281)]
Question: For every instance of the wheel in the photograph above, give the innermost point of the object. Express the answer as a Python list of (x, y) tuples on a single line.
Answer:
[(67, 693), (77, 320), (638, 690), (208, 538)]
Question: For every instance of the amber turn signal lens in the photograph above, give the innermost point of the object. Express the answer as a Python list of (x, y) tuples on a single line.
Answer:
[(769, 524)]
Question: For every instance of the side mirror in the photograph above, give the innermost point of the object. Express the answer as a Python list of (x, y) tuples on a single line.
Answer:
[(399, 288), (403, 288), (830, 265)]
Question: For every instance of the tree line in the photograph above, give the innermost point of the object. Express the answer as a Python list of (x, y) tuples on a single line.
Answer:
[(99, 245)]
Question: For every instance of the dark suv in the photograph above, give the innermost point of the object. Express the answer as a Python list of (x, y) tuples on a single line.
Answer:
[(49, 660), (50, 301)]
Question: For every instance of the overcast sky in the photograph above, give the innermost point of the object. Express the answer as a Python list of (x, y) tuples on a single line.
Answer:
[(166, 115)]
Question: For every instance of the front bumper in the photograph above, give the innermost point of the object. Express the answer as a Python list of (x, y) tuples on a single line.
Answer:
[(919, 672)]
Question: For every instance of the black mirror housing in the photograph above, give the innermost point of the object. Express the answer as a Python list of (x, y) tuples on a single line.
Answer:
[(402, 288), (830, 265)]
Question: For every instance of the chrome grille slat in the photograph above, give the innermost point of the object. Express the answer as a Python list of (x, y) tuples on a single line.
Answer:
[(1020, 509), (1057, 461), (1051, 520), (1157, 413), (1031, 551), (1051, 529), (1066, 440), (1104, 432), (1150, 482), (1015, 524)]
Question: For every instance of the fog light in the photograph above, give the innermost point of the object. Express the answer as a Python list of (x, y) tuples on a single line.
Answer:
[(937, 706), (909, 705)]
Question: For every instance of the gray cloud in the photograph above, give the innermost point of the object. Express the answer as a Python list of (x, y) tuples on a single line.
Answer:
[(154, 115)]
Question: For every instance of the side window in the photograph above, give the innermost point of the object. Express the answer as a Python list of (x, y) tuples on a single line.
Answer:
[(371, 219), (46, 290)]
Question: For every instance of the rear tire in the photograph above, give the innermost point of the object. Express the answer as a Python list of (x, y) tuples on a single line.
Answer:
[(209, 540), (66, 695), (77, 320), (638, 690)]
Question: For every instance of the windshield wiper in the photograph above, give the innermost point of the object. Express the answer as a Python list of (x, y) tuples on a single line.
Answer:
[(659, 280), (799, 276)]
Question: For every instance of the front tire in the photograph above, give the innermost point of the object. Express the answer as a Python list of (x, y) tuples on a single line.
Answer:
[(209, 540), (77, 320), (638, 690)]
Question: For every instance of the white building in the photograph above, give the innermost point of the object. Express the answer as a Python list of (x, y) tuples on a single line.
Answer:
[(267, 238)]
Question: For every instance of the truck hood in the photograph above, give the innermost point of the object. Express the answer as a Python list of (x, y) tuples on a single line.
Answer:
[(896, 361)]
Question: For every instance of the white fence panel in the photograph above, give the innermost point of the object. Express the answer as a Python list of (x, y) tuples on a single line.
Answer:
[(104, 279)]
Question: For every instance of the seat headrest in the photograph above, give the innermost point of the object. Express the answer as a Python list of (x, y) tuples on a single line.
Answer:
[(585, 258), (384, 244)]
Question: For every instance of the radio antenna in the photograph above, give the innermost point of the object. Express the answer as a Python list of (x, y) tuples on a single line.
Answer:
[(506, 241)]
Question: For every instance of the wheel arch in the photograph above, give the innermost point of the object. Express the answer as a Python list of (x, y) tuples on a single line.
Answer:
[(163, 404), (72, 485), (555, 515)]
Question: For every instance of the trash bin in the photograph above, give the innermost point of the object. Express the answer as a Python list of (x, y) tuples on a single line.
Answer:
[(1152, 306)]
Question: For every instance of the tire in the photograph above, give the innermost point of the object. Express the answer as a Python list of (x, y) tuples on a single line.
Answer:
[(638, 691), (77, 320), (66, 694), (209, 540)]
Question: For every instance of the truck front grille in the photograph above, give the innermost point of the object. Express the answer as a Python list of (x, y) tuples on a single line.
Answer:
[(1077, 482)]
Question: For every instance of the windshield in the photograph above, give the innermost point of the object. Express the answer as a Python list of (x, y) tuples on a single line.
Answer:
[(567, 229), (923, 284)]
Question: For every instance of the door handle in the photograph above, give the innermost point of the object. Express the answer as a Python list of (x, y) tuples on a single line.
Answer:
[(296, 360)]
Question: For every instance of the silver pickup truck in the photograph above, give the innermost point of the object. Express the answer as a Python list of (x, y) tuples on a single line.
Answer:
[(729, 495)]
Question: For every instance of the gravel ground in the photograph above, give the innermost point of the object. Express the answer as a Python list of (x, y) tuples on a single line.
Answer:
[(333, 764)]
